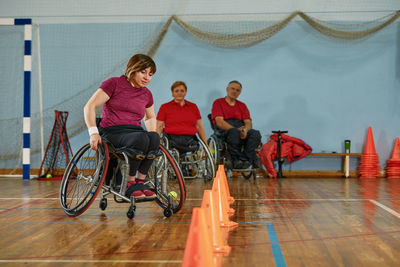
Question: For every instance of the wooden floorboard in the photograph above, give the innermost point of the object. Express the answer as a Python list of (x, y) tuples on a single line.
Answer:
[(282, 222)]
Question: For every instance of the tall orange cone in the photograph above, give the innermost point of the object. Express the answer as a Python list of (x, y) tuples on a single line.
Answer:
[(218, 237), (223, 210), (369, 144), (199, 249), (218, 185), (221, 169), (369, 162)]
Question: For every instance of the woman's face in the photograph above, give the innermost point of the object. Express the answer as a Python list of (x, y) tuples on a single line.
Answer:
[(142, 78), (179, 93)]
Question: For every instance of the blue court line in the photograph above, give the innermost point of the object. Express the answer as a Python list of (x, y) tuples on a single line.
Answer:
[(275, 246)]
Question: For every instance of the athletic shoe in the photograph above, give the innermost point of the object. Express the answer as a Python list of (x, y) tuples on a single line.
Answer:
[(148, 194), (138, 193)]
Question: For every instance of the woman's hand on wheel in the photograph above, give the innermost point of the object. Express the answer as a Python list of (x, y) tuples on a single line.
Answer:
[(95, 139)]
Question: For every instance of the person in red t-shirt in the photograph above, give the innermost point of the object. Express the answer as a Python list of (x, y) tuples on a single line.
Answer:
[(126, 101), (180, 120), (234, 125)]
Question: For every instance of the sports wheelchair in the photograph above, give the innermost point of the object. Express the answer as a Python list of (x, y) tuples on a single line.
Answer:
[(195, 164), (89, 172), (220, 155)]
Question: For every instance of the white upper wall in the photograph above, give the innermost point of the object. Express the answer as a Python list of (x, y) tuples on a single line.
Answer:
[(73, 11)]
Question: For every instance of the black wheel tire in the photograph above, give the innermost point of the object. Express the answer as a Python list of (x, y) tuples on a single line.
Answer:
[(103, 203), (131, 213), (247, 175), (168, 212)]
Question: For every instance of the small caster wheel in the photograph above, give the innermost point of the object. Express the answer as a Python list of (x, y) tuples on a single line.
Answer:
[(103, 203), (247, 175), (168, 213), (131, 213)]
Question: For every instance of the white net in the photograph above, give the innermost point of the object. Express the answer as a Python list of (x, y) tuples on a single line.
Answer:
[(76, 58)]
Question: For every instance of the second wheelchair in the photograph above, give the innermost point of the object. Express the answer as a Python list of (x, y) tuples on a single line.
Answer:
[(219, 151), (196, 163)]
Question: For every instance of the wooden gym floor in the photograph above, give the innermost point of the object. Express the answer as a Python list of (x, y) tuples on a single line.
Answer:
[(284, 222)]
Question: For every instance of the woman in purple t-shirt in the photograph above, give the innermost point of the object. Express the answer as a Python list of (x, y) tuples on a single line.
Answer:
[(126, 101)]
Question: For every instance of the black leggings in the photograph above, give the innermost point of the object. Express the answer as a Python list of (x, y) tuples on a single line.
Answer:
[(133, 137)]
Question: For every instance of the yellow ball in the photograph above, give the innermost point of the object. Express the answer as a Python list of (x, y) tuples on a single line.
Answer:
[(173, 194), (48, 175)]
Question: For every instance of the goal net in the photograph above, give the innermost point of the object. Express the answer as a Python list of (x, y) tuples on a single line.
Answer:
[(76, 58)]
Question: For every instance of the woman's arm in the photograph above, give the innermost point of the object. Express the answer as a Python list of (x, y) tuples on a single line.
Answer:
[(201, 132), (89, 113), (160, 127), (150, 119)]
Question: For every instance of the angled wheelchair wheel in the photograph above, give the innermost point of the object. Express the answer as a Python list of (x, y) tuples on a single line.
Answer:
[(166, 178), (214, 149), (83, 179), (164, 141), (207, 163)]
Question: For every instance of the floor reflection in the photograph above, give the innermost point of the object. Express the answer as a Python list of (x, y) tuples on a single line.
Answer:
[(369, 189), (393, 190)]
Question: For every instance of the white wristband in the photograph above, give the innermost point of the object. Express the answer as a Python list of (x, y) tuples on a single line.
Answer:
[(93, 130)]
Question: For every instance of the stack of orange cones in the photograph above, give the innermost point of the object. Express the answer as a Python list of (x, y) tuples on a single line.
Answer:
[(369, 163), (393, 164), (209, 229)]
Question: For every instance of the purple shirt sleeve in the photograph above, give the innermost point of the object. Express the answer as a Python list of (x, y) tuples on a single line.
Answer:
[(109, 85)]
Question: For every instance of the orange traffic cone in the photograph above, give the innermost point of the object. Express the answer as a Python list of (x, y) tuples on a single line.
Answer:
[(221, 170), (393, 164), (369, 144), (396, 150), (223, 210), (199, 249), (218, 185), (369, 162), (218, 237)]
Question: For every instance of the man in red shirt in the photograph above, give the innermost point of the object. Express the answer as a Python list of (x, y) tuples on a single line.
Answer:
[(234, 125)]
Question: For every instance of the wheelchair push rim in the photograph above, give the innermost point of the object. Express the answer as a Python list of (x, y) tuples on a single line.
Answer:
[(83, 179)]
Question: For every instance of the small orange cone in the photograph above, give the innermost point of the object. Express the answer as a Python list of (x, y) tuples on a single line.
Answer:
[(393, 164), (223, 210), (199, 249), (218, 238), (221, 169), (369, 144), (218, 185), (396, 150)]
